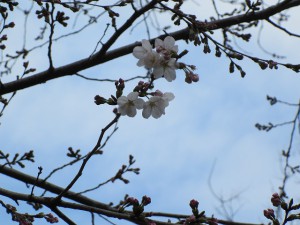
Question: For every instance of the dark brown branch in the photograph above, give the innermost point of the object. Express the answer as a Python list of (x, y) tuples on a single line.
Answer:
[(283, 29), (17, 175), (99, 58), (110, 213), (51, 37), (49, 202), (62, 216)]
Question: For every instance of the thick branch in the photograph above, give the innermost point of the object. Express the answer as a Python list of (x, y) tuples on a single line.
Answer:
[(51, 188), (98, 58), (51, 203)]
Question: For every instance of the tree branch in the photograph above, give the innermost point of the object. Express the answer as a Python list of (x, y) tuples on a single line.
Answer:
[(100, 57)]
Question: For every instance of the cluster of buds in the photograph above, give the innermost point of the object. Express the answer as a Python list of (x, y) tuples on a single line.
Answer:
[(199, 218), (277, 201), (10, 25), (44, 13), (272, 64), (11, 5), (190, 76), (26, 219), (50, 218), (3, 38), (142, 87), (137, 207), (120, 85)]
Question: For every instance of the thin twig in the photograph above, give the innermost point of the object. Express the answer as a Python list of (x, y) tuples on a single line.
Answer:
[(98, 144)]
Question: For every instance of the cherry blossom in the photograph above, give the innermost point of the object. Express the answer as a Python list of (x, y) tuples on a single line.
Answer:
[(166, 69), (156, 105), (151, 59), (167, 97), (166, 46), (147, 57), (161, 60), (129, 104)]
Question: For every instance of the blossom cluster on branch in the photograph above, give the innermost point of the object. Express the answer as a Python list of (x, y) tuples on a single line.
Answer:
[(161, 62)]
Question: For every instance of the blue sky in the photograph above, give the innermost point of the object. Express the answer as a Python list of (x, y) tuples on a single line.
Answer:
[(209, 124)]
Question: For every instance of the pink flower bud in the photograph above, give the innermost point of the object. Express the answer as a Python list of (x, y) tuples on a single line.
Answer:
[(269, 213), (195, 78), (158, 93), (132, 201), (188, 80), (146, 200), (194, 204), (276, 201)]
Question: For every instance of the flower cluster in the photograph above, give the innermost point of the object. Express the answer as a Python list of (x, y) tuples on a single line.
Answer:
[(161, 61), (154, 107)]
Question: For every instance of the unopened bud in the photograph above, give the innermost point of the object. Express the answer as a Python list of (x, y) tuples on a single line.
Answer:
[(269, 214), (99, 100)]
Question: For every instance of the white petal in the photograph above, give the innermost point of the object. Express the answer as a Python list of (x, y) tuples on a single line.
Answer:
[(132, 96), (151, 59), (175, 48), (154, 99), (157, 112), (170, 74), (147, 110), (169, 96), (169, 42), (122, 100), (139, 52), (158, 43), (131, 111), (139, 103), (146, 45), (158, 71), (162, 104), (141, 62), (172, 63), (123, 110)]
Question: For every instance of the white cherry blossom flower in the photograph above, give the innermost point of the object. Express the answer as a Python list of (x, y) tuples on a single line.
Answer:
[(167, 97), (156, 105), (150, 60), (141, 51), (160, 61), (145, 54), (129, 104), (168, 44), (166, 69)]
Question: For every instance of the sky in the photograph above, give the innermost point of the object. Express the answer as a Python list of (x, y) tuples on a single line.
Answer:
[(206, 137)]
